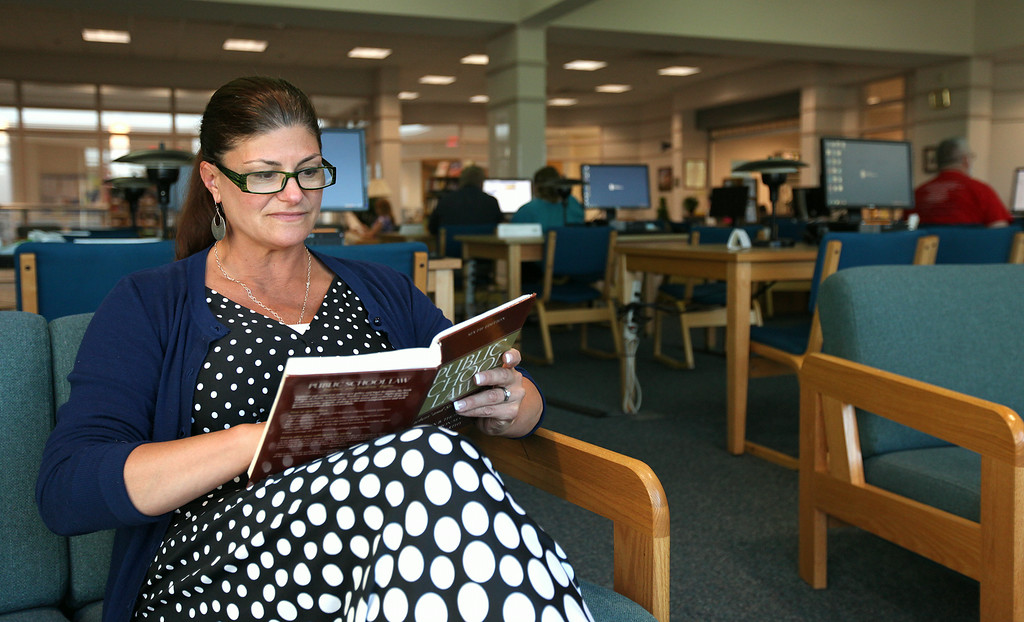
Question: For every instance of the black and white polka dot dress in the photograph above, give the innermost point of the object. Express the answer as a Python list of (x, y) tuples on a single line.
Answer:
[(411, 526)]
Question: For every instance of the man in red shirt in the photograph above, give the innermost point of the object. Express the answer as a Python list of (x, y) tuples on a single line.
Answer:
[(953, 197)]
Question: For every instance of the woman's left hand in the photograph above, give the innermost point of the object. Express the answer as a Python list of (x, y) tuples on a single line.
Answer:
[(512, 404)]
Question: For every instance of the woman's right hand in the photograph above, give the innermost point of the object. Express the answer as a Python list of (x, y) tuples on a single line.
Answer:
[(163, 476)]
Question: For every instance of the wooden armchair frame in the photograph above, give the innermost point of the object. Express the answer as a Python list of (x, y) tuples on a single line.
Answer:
[(832, 477), (614, 486)]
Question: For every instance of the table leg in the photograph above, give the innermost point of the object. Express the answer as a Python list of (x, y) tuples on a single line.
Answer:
[(737, 354), (515, 271)]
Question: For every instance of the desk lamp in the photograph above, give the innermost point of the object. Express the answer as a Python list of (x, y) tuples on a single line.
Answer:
[(132, 189), (773, 174), (162, 169)]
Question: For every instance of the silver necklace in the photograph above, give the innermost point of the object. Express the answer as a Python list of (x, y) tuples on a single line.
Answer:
[(248, 292)]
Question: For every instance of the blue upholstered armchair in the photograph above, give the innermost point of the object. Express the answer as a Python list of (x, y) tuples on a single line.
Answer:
[(909, 424)]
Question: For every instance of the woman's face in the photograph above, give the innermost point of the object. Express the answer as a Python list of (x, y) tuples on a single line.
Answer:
[(275, 220)]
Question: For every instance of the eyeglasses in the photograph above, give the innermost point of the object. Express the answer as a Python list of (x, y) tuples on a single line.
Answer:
[(272, 182)]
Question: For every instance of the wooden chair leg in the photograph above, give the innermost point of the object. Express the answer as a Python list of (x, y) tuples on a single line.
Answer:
[(659, 355)]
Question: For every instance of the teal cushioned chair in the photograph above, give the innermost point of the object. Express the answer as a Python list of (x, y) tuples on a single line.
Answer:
[(49, 578), (965, 245), (933, 456)]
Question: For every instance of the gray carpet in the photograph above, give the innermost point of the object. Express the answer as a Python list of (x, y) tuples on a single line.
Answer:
[(734, 519)]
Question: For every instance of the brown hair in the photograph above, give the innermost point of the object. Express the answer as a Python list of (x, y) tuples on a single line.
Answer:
[(239, 110)]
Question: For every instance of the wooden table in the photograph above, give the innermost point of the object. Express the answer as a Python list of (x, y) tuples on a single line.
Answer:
[(514, 251), (739, 269), (441, 282)]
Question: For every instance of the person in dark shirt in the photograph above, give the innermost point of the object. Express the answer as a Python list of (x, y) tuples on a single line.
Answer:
[(469, 205)]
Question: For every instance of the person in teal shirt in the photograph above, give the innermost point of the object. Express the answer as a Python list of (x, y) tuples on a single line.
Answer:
[(547, 207)]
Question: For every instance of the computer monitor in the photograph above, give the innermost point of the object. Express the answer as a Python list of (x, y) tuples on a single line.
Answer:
[(864, 173), (729, 203), (345, 149), (809, 203), (1017, 199), (511, 193), (616, 186)]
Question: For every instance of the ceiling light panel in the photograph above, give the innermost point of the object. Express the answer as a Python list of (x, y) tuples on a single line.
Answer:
[(408, 95), (244, 45), (613, 88), (585, 65), (678, 70), (437, 80), (98, 35), (562, 101), (479, 99), (475, 59), (369, 53)]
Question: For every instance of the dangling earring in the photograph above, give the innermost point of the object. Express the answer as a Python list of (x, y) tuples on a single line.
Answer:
[(219, 226)]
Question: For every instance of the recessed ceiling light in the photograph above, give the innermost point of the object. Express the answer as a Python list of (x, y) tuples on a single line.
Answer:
[(479, 99), (244, 45), (475, 59), (369, 53), (585, 65), (408, 95), (562, 101), (442, 80), (613, 88), (106, 36), (413, 129), (678, 70)]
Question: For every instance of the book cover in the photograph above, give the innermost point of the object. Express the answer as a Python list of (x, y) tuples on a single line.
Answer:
[(327, 403)]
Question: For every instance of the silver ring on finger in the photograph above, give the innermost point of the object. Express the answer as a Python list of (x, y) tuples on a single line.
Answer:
[(508, 394)]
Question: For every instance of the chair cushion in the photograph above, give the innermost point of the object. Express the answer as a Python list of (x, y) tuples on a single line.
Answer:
[(45, 614), (948, 478), (609, 606), (786, 337)]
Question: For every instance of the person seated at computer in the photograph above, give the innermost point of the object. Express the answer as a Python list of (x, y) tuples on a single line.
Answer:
[(552, 205), (953, 197), (383, 223), (469, 205)]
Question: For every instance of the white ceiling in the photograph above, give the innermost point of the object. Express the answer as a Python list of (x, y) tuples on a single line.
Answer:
[(191, 34)]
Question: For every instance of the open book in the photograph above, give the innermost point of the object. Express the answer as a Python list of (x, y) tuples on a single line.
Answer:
[(328, 403)]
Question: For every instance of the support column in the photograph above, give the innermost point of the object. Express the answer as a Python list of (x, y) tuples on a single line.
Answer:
[(953, 100), (824, 111), (516, 112), (384, 143)]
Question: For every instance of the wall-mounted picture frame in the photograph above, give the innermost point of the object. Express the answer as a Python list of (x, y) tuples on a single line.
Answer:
[(696, 174), (665, 179), (930, 159)]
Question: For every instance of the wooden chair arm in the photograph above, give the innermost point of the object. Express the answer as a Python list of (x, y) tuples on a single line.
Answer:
[(982, 426), (614, 486)]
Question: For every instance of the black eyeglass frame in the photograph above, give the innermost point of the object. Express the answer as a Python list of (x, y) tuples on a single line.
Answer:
[(239, 179)]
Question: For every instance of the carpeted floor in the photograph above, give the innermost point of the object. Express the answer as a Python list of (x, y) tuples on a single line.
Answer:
[(734, 519)]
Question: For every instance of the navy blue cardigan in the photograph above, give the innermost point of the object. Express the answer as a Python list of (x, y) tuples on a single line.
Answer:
[(133, 382)]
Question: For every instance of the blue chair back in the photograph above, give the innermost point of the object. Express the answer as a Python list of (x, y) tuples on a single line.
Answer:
[(398, 255), (453, 247), (867, 249), (973, 244), (581, 253), (74, 278)]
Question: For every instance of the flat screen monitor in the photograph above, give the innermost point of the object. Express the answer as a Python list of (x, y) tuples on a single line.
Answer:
[(864, 173), (1017, 202), (511, 193), (616, 186), (346, 150), (729, 203)]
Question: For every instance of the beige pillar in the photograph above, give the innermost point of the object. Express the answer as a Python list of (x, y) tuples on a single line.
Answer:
[(516, 112), (384, 143)]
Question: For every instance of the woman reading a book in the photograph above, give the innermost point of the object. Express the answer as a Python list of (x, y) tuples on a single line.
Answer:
[(180, 366)]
